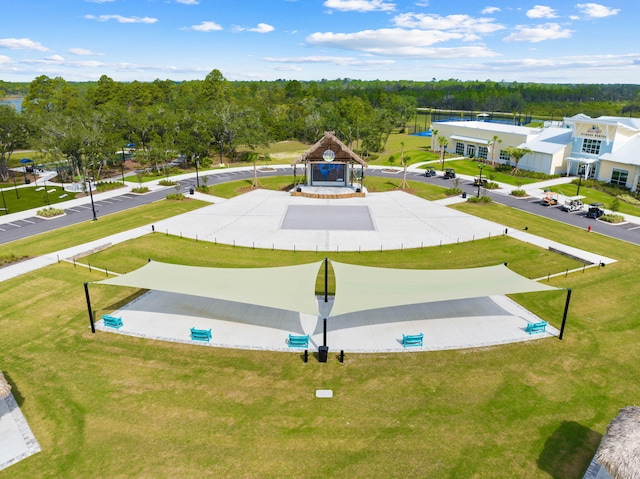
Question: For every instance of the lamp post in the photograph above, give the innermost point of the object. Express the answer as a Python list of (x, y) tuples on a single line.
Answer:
[(480, 166), (6, 211), (122, 165), (15, 186), (93, 206), (579, 182), (220, 144), (197, 178)]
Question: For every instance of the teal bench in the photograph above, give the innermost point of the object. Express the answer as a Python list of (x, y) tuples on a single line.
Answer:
[(200, 334), (539, 327), (112, 321), (298, 341), (409, 340)]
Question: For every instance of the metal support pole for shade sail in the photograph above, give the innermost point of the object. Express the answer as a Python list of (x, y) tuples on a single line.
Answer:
[(86, 293), (326, 280), (566, 311)]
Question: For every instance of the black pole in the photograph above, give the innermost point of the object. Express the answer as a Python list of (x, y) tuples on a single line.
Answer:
[(579, 183), (564, 316), (15, 185), (324, 332), (93, 206), (86, 293), (197, 178), (122, 165), (480, 180), (6, 211), (326, 280)]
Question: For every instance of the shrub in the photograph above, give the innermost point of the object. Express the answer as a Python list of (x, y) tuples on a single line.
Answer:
[(108, 185), (140, 190), (166, 183), (452, 191), (50, 212), (491, 185), (176, 196), (519, 193), (612, 218), (481, 199)]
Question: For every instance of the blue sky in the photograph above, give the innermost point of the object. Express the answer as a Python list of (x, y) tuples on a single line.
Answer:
[(554, 41)]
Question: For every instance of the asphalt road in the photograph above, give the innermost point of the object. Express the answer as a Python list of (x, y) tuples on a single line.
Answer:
[(33, 226)]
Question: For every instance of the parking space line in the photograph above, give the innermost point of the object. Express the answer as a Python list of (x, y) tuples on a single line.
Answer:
[(13, 224)]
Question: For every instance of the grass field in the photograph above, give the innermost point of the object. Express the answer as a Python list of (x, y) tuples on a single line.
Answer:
[(107, 405)]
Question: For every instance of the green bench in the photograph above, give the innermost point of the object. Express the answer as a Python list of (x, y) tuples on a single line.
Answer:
[(200, 334), (409, 340), (539, 327), (298, 341), (112, 321)]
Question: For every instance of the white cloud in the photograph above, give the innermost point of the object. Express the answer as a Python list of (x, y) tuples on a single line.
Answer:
[(206, 27), (539, 33), (360, 5), (490, 10), (5, 60), (456, 23), (121, 19), (590, 62), (595, 10), (399, 42), (341, 61), (188, 2), (262, 28), (100, 1), (80, 51), (22, 44), (541, 11)]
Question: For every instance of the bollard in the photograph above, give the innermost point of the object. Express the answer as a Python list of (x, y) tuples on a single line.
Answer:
[(589, 229)]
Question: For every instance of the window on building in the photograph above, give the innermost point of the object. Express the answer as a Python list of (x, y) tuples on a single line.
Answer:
[(459, 148), (483, 152), (591, 146), (619, 177), (504, 156)]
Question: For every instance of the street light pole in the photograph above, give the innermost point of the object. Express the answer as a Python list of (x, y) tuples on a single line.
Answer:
[(480, 179), (197, 178), (122, 165), (579, 182), (93, 206), (6, 211), (220, 143)]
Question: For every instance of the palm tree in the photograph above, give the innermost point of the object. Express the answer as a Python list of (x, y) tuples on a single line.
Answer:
[(443, 142), (434, 135), (404, 160), (493, 142), (516, 154)]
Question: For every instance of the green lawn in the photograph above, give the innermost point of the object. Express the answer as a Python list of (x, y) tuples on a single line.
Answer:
[(108, 405), (470, 167), (37, 196), (591, 195), (92, 230)]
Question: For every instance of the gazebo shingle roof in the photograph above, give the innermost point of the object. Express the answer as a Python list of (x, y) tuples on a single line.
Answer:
[(329, 142)]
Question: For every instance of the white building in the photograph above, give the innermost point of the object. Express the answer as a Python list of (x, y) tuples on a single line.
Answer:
[(605, 148)]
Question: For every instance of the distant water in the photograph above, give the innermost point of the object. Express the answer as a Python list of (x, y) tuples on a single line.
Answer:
[(15, 102)]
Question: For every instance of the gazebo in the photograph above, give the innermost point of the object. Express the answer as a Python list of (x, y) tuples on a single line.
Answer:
[(619, 451), (332, 165)]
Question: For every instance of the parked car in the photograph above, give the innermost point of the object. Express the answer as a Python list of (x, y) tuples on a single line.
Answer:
[(572, 205), (430, 171), (449, 173), (596, 210)]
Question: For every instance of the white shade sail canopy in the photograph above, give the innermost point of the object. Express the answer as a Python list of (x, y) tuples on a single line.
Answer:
[(290, 288), (361, 288)]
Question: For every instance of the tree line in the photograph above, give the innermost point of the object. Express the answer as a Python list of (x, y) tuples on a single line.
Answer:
[(82, 124)]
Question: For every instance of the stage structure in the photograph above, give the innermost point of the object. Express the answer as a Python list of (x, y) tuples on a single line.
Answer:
[(331, 170)]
